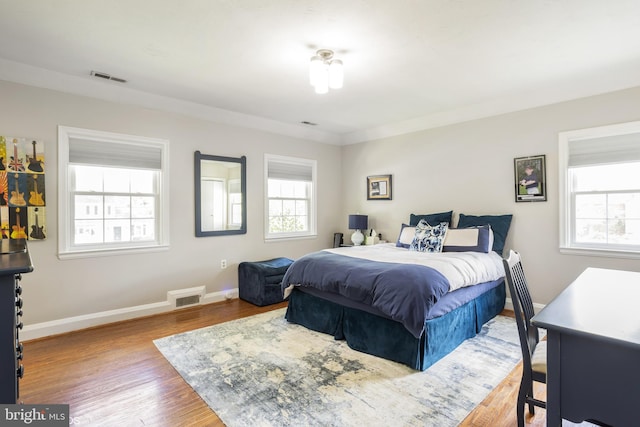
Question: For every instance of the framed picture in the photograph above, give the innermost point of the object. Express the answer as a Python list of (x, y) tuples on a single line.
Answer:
[(530, 179), (379, 187)]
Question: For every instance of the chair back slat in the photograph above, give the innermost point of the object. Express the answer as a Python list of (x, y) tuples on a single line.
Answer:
[(522, 305), (528, 334)]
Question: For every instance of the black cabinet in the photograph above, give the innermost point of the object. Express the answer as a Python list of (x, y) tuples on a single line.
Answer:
[(14, 261)]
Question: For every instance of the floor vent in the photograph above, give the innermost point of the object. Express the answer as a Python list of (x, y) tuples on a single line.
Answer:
[(186, 297)]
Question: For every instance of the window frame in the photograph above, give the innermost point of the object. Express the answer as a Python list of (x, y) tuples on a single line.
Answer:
[(313, 208), (567, 213), (66, 248)]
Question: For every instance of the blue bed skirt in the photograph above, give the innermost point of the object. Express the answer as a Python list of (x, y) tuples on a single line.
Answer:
[(387, 338)]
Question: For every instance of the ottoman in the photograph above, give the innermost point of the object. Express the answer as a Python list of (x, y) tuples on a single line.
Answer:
[(259, 282)]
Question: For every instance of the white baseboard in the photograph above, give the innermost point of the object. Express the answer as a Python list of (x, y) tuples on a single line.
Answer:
[(60, 326), (536, 307)]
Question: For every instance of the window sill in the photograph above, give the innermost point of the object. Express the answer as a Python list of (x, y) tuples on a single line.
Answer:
[(607, 253), (110, 252), (287, 238)]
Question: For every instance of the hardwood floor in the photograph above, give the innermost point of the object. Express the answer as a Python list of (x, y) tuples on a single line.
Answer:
[(113, 375)]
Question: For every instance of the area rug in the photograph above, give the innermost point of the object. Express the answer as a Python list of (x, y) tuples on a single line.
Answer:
[(264, 371)]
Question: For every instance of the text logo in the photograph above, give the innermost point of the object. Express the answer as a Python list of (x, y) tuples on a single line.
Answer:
[(34, 415)]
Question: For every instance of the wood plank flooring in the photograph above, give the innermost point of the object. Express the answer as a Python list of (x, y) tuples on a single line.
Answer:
[(113, 375)]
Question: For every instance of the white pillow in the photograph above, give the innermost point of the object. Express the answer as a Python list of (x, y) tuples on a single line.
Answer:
[(407, 233), (473, 239)]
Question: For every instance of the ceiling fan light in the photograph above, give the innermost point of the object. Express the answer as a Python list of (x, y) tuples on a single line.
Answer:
[(336, 74), (322, 80), (325, 72), (316, 65)]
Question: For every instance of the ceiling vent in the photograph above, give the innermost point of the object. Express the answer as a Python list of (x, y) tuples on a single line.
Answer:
[(107, 76)]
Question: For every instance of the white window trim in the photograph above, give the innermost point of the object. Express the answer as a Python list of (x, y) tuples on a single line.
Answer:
[(565, 212), (65, 249), (312, 233)]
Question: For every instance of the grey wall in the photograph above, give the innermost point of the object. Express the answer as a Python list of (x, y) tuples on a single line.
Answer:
[(468, 168), (62, 289)]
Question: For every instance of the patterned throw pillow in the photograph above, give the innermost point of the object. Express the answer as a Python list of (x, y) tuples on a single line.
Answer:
[(428, 238)]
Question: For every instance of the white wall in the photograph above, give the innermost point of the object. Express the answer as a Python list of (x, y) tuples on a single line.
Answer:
[(63, 289), (468, 168)]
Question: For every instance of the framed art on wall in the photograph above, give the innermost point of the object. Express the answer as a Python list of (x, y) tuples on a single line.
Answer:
[(379, 187), (23, 199), (530, 179)]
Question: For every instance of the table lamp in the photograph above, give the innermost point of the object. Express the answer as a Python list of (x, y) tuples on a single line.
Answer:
[(358, 222)]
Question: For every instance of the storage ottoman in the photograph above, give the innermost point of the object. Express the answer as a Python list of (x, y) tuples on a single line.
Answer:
[(259, 282)]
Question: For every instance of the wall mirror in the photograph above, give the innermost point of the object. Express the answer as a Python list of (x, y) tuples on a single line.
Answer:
[(221, 195)]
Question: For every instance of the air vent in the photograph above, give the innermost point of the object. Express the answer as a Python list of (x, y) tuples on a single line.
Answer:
[(190, 300), (107, 76), (186, 297)]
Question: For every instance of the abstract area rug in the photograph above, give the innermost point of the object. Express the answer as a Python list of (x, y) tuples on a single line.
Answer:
[(264, 371)]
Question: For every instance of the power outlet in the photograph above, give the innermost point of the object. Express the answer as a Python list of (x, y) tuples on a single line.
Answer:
[(223, 263)]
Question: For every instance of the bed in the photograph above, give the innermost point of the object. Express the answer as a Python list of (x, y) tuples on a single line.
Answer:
[(393, 301)]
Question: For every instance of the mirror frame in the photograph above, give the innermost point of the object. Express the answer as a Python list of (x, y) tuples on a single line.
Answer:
[(198, 188)]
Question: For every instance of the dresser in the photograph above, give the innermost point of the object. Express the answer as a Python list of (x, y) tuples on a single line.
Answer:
[(14, 261)]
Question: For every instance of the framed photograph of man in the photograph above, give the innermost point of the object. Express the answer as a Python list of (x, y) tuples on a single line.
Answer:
[(530, 179), (379, 187)]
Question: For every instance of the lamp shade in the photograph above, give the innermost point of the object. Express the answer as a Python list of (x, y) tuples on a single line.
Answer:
[(358, 222)]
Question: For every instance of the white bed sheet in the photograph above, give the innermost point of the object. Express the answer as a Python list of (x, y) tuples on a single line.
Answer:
[(460, 268)]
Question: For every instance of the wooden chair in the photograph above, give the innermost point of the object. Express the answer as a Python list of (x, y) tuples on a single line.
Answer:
[(534, 352)]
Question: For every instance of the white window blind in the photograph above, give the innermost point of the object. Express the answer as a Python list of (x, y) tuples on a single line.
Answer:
[(119, 154), (604, 150), (290, 171)]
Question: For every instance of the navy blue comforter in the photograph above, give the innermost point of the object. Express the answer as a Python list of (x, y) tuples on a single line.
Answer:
[(404, 292)]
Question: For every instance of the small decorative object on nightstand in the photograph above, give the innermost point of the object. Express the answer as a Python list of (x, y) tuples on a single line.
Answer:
[(337, 240), (371, 238), (358, 222)]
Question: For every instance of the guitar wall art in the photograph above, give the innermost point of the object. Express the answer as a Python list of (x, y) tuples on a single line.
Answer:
[(22, 189)]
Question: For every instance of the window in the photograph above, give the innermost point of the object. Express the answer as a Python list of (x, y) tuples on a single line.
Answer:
[(291, 201), (113, 192), (600, 190)]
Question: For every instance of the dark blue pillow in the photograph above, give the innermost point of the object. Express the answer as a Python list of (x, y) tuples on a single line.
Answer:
[(432, 219), (499, 224)]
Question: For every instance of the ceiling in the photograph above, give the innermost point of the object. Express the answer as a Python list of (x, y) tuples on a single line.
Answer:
[(409, 64)]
